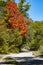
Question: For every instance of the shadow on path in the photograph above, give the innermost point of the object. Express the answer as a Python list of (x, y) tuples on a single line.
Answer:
[(28, 61)]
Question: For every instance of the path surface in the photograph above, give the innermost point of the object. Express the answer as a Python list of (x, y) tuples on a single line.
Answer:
[(18, 57), (26, 58)]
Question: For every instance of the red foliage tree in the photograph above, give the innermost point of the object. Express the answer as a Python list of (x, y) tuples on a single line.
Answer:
[(16, 18)]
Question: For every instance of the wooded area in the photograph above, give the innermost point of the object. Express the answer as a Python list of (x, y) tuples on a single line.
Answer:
[(17, 30)]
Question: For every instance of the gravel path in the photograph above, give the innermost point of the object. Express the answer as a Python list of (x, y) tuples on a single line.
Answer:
[(26, 58)]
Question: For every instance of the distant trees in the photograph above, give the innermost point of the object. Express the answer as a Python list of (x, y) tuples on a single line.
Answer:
[(35, 36)]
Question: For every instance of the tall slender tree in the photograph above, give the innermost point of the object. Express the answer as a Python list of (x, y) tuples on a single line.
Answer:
[(24, 7)]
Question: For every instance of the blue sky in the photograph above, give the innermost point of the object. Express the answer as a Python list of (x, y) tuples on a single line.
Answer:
[(36, 9)]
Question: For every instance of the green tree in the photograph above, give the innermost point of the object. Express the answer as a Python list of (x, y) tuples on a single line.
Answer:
[(35, 35), (2, 3), (24, 7)]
